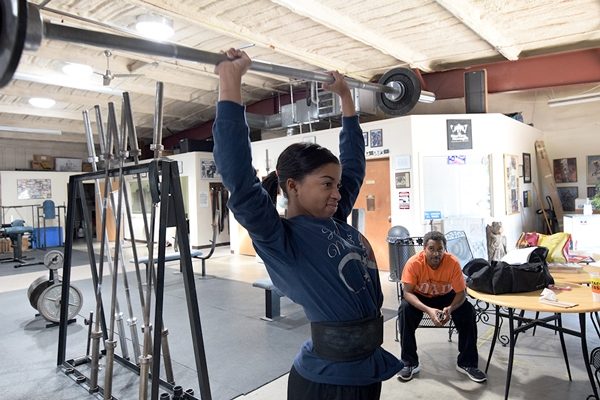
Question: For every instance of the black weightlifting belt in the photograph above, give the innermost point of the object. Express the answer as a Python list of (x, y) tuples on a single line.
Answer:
[(348, 340)]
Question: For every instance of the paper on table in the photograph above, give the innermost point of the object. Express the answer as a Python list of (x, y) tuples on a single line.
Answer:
[(518, 256), (549, 297), (548, 294), (562, 304)]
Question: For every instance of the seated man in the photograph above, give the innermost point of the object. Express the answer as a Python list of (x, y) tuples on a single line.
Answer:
[(433, 283)]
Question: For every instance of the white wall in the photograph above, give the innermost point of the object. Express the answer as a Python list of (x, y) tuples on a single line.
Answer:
[(569, 131), (17, 154), (8, 194), (197, 202), (199, 207), (493, 134), (420, 136)]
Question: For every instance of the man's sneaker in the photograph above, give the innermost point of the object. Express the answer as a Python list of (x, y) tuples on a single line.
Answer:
[(474, 373), (406, 373)]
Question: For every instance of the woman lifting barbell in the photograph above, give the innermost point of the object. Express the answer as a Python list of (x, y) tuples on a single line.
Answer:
[(313, 256)]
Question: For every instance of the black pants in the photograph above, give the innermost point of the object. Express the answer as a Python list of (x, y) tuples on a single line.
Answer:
[(409, 318), (303, 389)]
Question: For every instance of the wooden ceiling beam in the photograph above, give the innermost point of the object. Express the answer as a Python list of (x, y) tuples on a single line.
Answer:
[(469, 14), (347, 26)]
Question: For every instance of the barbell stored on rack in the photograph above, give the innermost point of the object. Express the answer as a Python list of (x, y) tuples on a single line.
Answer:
[(22, 29)]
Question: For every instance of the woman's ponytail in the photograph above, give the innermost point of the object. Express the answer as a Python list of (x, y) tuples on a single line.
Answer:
[(270, 184)]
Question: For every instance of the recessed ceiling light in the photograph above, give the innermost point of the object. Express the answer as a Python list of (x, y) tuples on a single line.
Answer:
[(76, 70), (154, 27), (42, 102)]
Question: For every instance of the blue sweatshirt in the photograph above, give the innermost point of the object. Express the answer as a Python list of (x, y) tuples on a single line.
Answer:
[(325, 265)]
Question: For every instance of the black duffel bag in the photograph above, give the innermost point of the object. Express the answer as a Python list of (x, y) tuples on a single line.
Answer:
[(500, 277)]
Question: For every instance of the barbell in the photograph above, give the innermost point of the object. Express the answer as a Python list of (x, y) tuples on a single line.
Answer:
[(22, 29)]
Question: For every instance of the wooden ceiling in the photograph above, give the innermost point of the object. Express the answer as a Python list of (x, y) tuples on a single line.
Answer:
[(362, 39)]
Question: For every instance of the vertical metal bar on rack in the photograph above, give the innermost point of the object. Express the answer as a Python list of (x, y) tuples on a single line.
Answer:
[(190, 287), (135, 152), (160, 275), (64, 305)]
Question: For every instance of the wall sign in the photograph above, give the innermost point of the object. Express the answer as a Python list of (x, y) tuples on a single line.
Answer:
[(459, 134), (433, 215)]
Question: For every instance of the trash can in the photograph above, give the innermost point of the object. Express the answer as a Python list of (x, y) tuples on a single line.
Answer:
[(401, 247)]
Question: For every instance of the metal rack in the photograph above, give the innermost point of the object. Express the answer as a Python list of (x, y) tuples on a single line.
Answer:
[(171, 213)]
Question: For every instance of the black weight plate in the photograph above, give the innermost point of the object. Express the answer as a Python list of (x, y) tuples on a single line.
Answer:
[(13, 31), (34, 284), (37, 288), (412, 91)]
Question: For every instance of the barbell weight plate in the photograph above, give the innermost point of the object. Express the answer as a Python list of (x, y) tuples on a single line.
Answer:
[(54, 260), (13, 33), (36, 288), (410, 91), (48, 304)]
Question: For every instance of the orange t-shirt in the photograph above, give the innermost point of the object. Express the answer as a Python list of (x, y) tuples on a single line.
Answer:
[(429, 282)]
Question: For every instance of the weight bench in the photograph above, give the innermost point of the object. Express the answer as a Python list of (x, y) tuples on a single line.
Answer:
[(272, 299), (170, 257)]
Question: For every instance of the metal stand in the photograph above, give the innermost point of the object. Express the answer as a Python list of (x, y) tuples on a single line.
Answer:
[(171, 203), (18, 255)]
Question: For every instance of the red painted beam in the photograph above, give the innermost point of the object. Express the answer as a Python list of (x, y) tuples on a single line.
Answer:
[(528, 73)]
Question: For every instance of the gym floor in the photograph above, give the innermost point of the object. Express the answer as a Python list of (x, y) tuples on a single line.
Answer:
[(538, 372)]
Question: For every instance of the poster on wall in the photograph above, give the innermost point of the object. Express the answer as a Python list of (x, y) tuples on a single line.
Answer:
[(402, 161), (593, 170), (459, 134), (203, 200), (565, 170), (404, 198), (567, 196), (511, 183), (30, 189), (208, 169)]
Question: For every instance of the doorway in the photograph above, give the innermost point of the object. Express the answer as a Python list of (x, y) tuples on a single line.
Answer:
[(374, 198)]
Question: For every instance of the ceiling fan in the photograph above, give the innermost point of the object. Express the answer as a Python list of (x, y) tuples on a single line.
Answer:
[(108, 76)]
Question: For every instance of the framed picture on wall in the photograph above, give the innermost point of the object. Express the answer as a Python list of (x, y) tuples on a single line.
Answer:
[(591, 191), (402, 180), (32, 189), (593, 170), (565, 170), (511, 184), (567, 196), (376, 137), (526, 168), (208, 170)]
